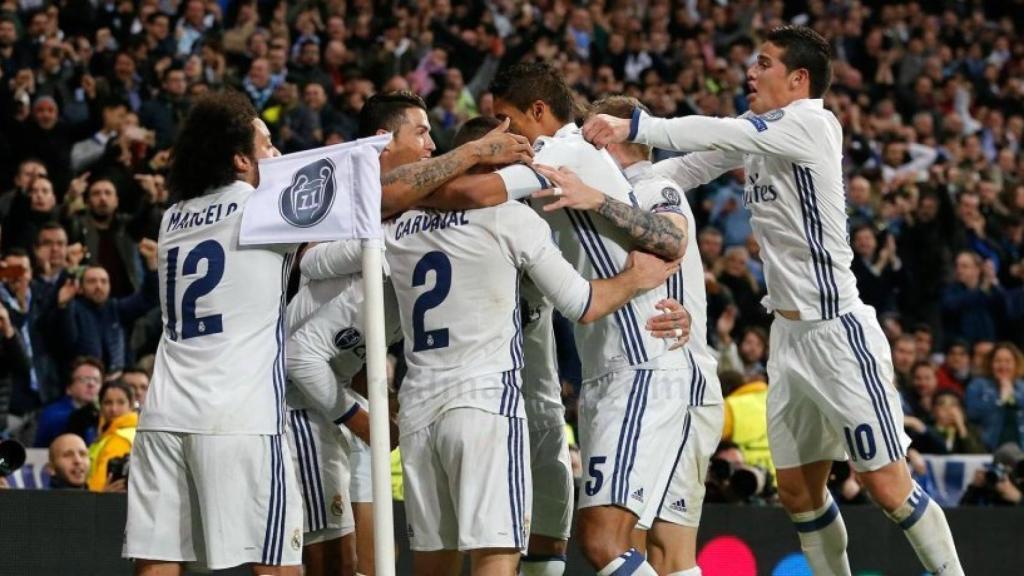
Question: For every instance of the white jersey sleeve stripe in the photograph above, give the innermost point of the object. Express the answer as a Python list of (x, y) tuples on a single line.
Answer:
[(819, 256)]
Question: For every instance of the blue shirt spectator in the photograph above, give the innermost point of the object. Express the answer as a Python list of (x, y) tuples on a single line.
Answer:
[(996, 402), (86, 379)]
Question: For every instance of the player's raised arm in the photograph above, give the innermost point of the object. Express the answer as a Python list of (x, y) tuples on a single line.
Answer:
[(332, 259)]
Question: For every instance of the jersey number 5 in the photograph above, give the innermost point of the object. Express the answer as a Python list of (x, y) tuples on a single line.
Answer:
[(192, 327), (439, 263)]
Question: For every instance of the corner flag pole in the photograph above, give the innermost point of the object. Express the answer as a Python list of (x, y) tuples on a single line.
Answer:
[(377, 390)]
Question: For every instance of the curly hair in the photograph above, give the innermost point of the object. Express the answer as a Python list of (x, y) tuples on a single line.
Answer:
[(218, 127)]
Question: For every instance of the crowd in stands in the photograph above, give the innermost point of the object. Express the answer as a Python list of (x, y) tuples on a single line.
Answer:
[(930, 95)]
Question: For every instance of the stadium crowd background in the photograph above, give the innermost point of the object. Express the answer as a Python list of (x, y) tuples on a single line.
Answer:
[(931, 96)]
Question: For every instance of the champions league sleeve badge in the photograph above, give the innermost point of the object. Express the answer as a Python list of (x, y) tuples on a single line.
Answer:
[(308, 199)]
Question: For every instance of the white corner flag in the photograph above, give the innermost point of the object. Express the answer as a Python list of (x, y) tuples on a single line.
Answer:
[(326, 194), (329, 193)]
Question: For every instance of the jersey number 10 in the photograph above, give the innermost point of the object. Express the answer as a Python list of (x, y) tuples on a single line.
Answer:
[(191, 326)]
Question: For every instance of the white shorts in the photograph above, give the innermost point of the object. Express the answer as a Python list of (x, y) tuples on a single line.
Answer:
[(552, 482), (361, 484), (467, 482), (219, 501), (628, 421), (683, 499), (832, 393), (319, 454)]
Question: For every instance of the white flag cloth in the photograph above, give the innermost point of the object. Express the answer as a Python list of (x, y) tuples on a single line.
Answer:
[(324, 194)]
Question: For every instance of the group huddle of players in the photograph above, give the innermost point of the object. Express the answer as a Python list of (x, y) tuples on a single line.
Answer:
[(530, 213)]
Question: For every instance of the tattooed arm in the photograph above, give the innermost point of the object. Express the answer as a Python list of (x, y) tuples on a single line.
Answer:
[(661, 234), (407, 185)]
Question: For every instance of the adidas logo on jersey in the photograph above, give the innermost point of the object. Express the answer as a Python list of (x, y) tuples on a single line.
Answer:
[(638, 494), (678, 505)]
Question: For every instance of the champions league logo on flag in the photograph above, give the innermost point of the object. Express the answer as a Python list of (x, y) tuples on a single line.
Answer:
[(319, 195), (309, 198)]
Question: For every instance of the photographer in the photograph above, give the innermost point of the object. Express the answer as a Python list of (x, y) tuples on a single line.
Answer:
[(109, 454), (1000, 483), (731, 480)]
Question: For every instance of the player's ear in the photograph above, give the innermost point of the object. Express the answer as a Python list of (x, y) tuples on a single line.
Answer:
[(537, 109), (243, 163), (797, 77)]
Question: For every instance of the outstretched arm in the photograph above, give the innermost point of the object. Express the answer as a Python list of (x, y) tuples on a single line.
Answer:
[(407, 186), (661, 234)]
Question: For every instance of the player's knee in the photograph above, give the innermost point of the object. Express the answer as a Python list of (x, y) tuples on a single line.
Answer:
[(598, 540), (889, 486), (795, 498)]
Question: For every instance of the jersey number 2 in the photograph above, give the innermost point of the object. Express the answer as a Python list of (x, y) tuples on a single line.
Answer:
[(191, 327), (424, 339)]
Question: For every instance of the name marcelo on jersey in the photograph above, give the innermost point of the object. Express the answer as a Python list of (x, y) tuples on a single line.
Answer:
[(213, 214), (430, 222)]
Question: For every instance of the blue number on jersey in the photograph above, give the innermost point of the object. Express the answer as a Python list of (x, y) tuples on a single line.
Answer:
[(593, 486), (442, 267), (861, 442), (192, 327)]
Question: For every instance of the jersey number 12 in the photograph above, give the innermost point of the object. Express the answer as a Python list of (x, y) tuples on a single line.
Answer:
[(191, 326)]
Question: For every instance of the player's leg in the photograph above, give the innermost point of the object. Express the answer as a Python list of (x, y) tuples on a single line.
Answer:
[(361, 493), (257, 522), (672, 539), (486, 457), (429, 510), (804, 444), (623, 417), (552, 501), (159, 498), (365, 557), (877, 445)]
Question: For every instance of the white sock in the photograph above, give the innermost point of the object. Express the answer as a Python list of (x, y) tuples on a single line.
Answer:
[(542, 565), (630, 563), (925, 526), (822, 536), (695, 571)]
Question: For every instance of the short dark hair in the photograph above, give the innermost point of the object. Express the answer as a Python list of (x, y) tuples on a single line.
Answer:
[(621, 107), (474, 129), (804, 48), (523, 84), (135, 370), (51, 225), (88, 361), (16, 251), (218, 127), (117, 385), (387, 111)]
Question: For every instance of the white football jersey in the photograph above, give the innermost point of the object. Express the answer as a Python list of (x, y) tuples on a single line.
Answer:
[(542, 389), (220, 364), (457, 276), (686, 285), (599, 250), (793, 160)]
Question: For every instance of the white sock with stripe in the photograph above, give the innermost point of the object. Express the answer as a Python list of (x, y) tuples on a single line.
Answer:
[(695, 571), (631, 562), (928, 532), (542, 565), (822, 534)]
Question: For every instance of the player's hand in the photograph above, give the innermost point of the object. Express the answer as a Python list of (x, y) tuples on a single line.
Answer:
[(649, 271), (568, 191), (602, 130), (673, 322), (500, 147)]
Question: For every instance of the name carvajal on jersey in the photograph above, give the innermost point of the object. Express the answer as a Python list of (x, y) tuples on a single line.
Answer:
[(182, 220), (429, 222)]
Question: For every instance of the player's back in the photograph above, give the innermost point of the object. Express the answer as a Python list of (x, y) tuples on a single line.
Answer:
[(456, 276), (599, 250), (220, 366)]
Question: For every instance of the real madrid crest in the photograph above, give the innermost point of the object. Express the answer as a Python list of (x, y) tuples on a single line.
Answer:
[(308, 199)]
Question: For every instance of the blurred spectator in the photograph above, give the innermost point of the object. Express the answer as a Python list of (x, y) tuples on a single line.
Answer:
[(746, 294), (87, 152), (949, 432), (118, 422), (921, 396), (999, 484), (93, 323), (924, 342), (28, 170), (69, 463), (138, 380), (877, 269), (971, 302), (259, 84), (729, 212), (955, 372), (28, 214), (86, 379), (165, 113), (746, 422), (904, 354), (14, 363), (106, 237), (995, 401)]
